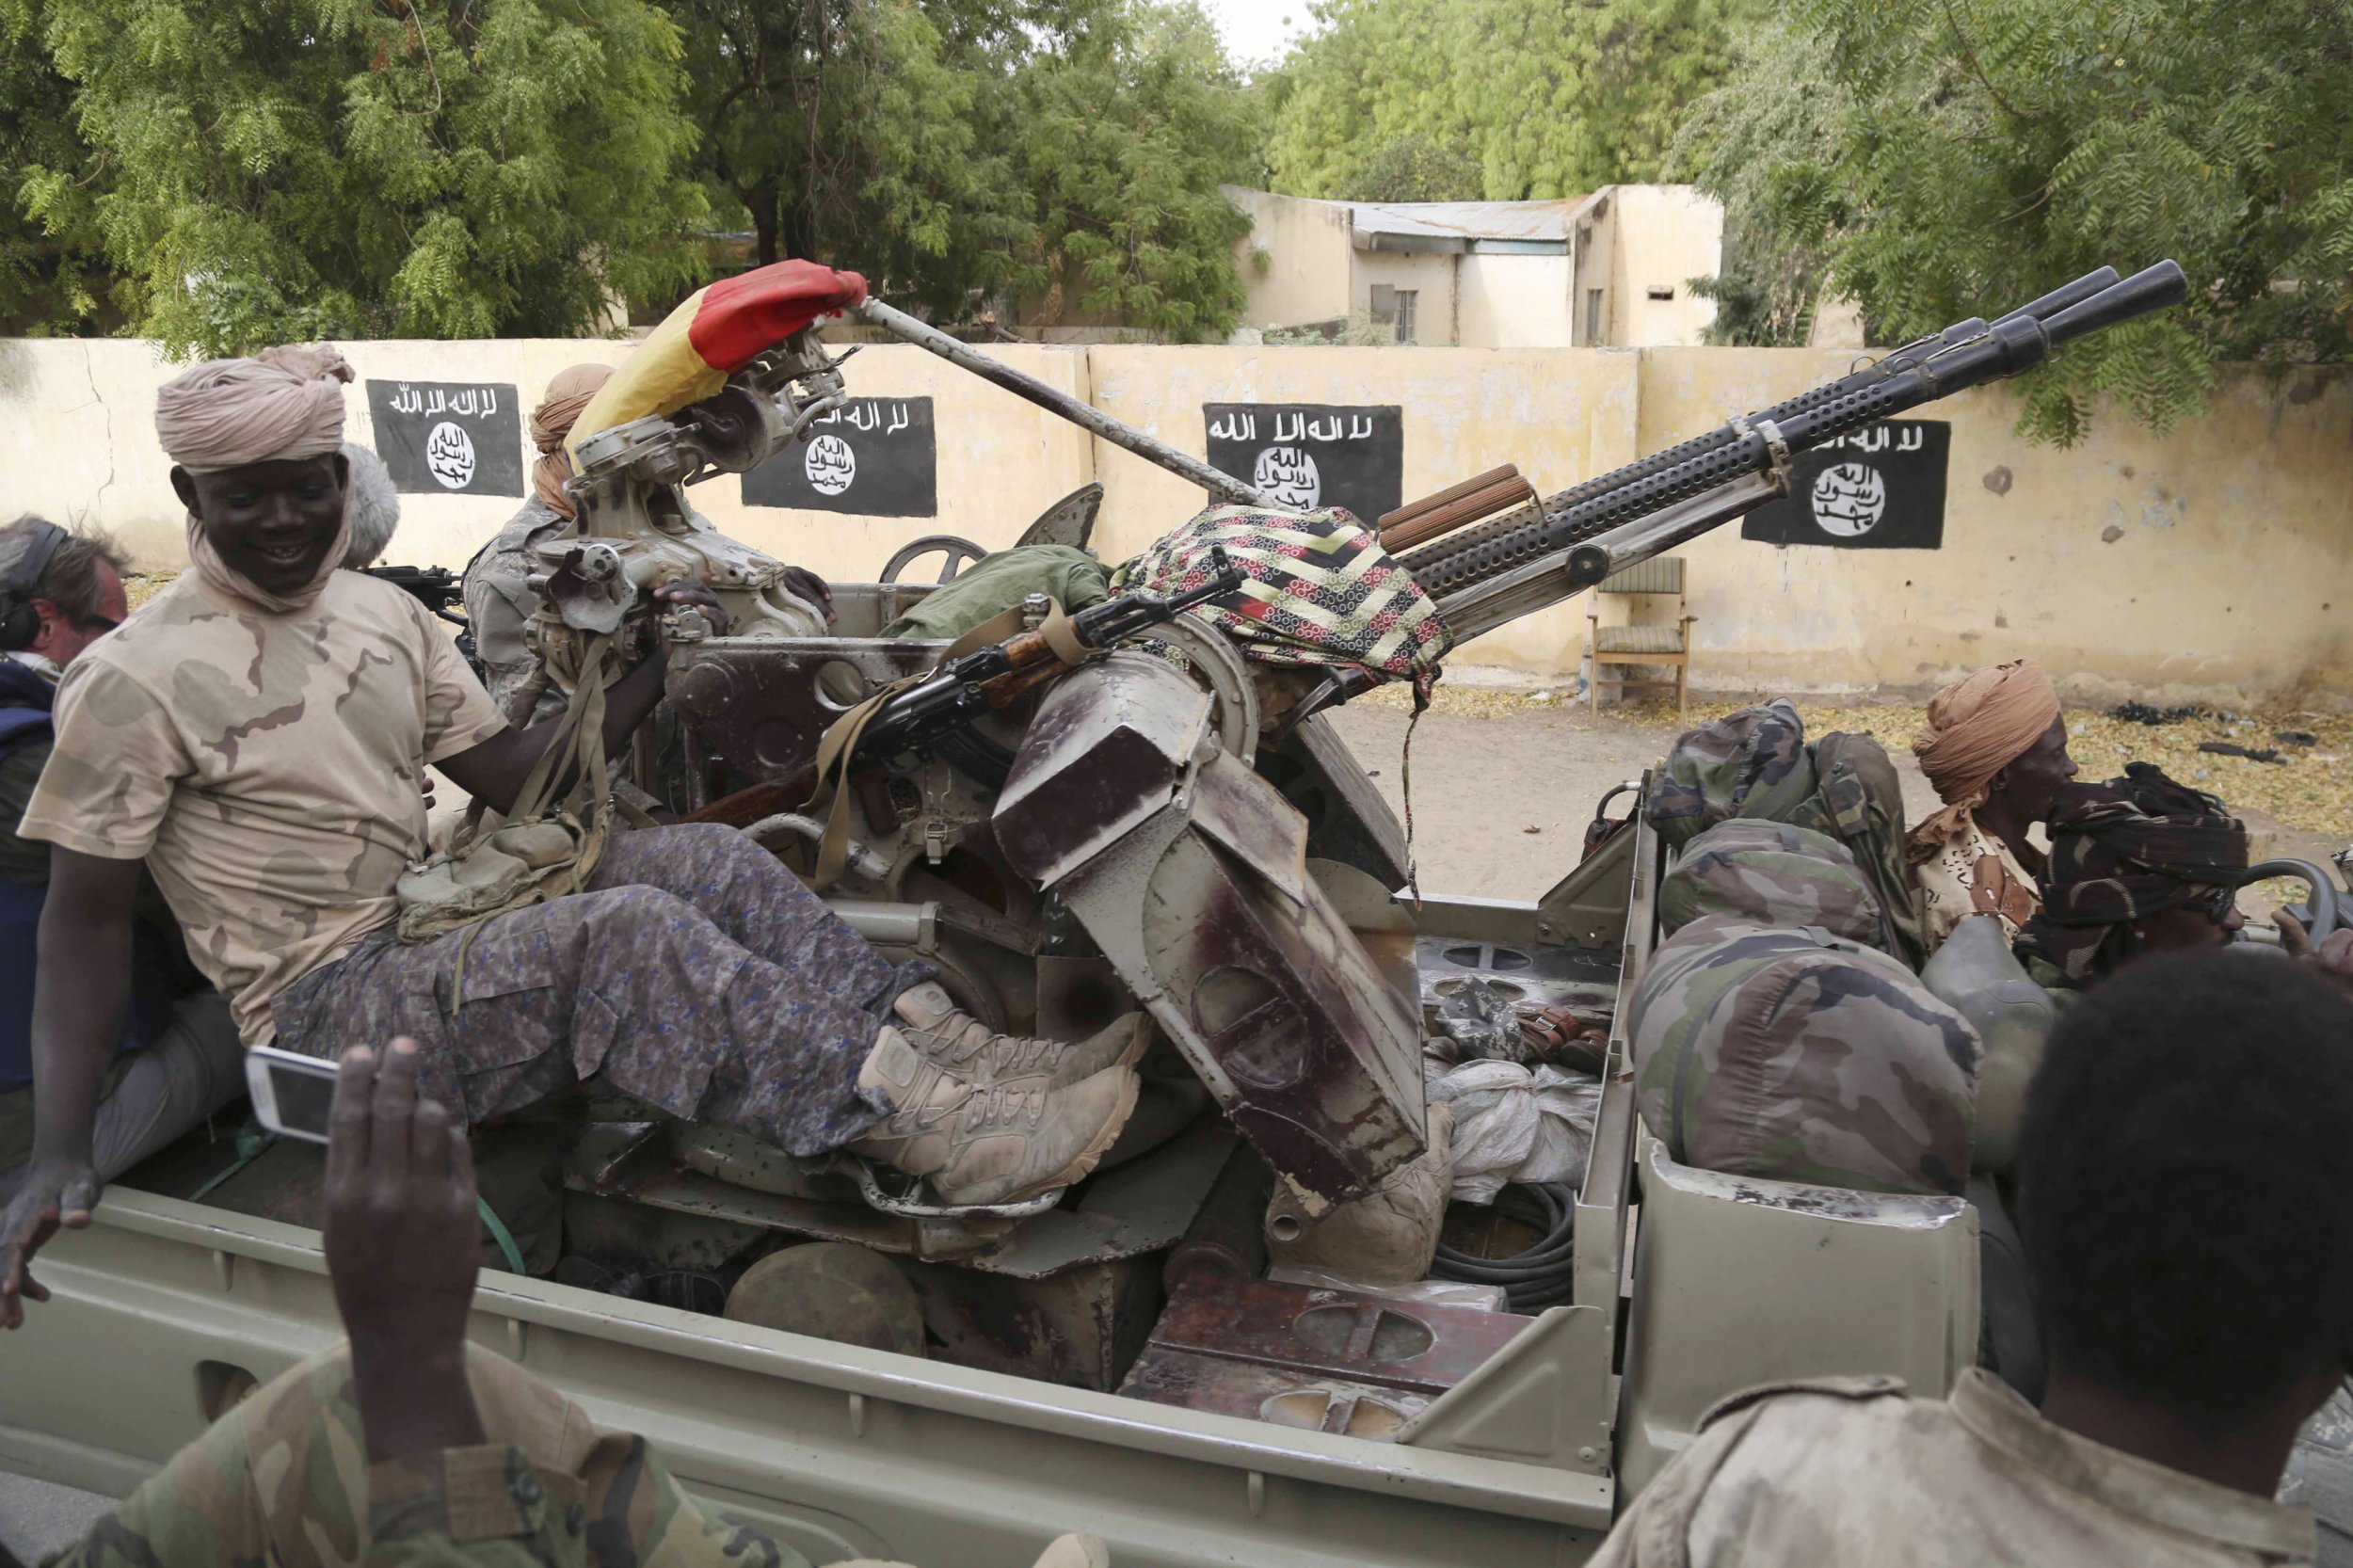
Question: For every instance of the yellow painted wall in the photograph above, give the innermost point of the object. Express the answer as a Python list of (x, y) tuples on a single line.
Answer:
[(77, 442), (1304, 276), (1560, 416), (1666, 236), (2229, 572), (1515, 300)]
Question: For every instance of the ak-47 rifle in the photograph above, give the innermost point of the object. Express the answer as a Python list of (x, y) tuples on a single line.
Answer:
[(916, 721)]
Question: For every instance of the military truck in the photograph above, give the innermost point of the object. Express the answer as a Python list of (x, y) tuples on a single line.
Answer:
[(1178, 828)]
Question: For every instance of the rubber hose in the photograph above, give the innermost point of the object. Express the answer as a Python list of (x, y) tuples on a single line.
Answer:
[(1542, 1276)]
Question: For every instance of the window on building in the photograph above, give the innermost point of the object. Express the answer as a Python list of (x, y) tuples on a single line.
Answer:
[(1593, 318), (1406, 301), (1661, 291)]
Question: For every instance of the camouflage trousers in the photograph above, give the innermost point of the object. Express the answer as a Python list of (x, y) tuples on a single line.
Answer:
[(695, 973), (283, 1480)]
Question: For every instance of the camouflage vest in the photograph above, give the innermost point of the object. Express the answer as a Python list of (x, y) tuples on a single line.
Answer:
[(1793, 1055), (1755, 764), (1771, 873)]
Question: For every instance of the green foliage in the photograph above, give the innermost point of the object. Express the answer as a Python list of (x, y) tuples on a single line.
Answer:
[(1763, 145), (1546, 98), (1943, 157), (1125, 134), (262, 171), (1067, 151), (1415, 168), (43, 286)]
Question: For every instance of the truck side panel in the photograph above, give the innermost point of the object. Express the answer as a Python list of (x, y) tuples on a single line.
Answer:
[(842, 1452)]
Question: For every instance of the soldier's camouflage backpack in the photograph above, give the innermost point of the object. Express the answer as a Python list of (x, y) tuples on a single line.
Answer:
[(1771, 873), (1788, 1053), (1756, 764)]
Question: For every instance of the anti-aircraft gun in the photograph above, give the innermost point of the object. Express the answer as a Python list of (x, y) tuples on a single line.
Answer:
[(1172, 827)]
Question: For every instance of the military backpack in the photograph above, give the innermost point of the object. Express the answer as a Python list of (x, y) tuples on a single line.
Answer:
[(1791, 1054), (1756, 764), (1771, 873)]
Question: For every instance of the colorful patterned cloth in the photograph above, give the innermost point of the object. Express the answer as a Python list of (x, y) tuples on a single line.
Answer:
[(1321, 591)]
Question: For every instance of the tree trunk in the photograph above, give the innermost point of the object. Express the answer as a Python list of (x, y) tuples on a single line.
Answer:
[(800, 234), (763, 206)]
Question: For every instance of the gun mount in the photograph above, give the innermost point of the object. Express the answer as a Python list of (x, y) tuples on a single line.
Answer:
[(1071, 837)]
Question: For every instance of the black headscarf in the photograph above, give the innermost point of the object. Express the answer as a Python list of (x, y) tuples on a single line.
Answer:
[(2120, 851)]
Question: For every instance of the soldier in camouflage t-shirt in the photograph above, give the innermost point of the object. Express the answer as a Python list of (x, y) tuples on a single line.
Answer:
[(258, 735)]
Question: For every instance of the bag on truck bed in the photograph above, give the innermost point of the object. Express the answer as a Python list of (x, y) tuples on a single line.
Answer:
[(1795, 1055), (1771, 873), (1756, 764)]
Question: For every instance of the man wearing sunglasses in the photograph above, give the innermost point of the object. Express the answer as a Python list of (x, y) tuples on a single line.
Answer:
[(60, 592)]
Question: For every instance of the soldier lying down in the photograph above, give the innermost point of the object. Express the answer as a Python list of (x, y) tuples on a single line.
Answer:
[(258, 734)]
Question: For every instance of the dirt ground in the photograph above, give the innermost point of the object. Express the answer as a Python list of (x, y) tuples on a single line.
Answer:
[(1504, 783)]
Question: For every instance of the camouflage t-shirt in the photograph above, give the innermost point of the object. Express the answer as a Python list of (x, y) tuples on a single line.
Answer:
[(1973, 873), (269, 767)]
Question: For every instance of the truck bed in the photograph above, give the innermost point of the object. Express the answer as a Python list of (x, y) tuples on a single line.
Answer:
[(842, 1452)]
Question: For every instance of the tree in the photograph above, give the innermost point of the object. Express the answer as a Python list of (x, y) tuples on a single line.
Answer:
[(1763, 144), (1125, 135), (44, 286), (1416, 168), (268, 171), (1546, 98), (960, 149), (1971, 154)]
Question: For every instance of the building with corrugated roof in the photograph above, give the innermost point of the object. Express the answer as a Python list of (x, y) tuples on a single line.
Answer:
[(1608, 269)]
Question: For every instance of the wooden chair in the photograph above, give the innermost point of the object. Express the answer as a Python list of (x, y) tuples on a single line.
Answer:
[(1631, 644)]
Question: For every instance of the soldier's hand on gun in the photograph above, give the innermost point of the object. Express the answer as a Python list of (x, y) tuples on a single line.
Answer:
[(55, 1193), (685, 591), (402, 1251), (804, 584), (2331, 957)]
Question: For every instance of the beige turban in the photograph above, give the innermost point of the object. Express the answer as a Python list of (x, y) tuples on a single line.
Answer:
[(1978, 726), (225, 413), (550, 421)]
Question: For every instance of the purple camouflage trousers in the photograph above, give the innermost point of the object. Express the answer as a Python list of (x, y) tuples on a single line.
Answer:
[(694, 972)]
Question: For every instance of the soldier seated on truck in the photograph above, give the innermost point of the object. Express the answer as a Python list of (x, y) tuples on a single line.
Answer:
[(258, 733), (1995, 749), (178, 1062), (2143, 865), (2185, 1182)]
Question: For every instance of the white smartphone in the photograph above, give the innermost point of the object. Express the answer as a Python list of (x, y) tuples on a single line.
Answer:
[(292, 1094)]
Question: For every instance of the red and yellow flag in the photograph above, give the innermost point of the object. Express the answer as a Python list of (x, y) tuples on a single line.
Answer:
[(715, 333)]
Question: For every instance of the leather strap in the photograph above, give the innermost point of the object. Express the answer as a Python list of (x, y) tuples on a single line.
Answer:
[(1063, 637)]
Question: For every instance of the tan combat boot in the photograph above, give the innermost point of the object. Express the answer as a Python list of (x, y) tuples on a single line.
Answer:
[(960, 1044), (992, 1142)]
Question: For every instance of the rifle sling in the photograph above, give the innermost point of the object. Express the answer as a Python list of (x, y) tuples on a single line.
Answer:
[(839, 745)]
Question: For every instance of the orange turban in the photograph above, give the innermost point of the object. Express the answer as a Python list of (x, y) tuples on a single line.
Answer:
[(1978, 726), (552, 420)]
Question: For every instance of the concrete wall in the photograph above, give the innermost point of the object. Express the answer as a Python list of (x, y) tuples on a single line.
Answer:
[(1632, 238), (1666, 236), (2213, 564), (77, 442), (1521, 300), (2209, 563), (1304, 273), (1435, 279)]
